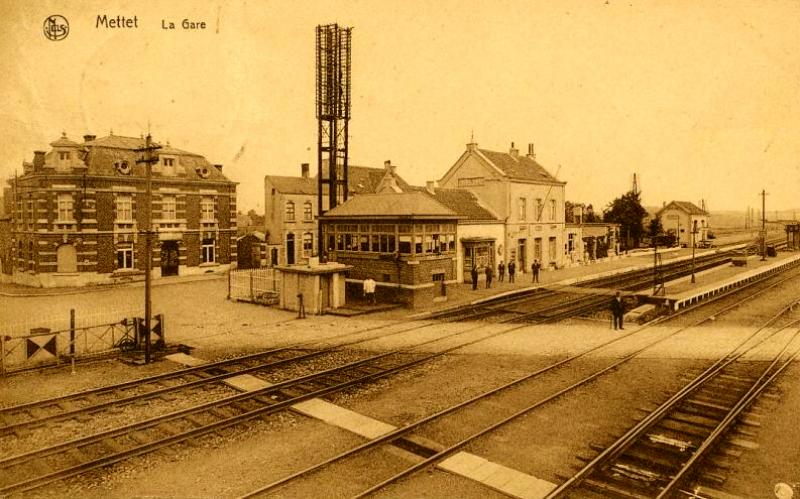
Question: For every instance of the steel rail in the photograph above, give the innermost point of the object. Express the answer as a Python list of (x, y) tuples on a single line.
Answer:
[(656, 415), (745, 401), (408, 428)]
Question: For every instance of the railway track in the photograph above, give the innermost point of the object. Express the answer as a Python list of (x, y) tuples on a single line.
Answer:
[(659, 455), (36, 468), (528, 303), (431, 456), (43, 466)]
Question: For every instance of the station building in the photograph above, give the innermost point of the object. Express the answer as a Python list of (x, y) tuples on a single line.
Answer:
[(680, 217), (524, 195), (406, 242), (77, 212), (291, 210)]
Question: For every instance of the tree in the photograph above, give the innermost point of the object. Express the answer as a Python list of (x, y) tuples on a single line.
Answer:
[(627, 211), (255, 218), (590, 216), (655, 228)]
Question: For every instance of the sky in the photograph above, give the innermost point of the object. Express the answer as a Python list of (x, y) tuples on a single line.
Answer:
[(701, 99)]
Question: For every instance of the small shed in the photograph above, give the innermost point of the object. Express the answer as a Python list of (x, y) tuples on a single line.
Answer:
[(251, 251)]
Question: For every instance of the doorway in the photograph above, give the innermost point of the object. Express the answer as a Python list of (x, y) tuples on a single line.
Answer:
[(289, 249), (169, 258), (522, 264)]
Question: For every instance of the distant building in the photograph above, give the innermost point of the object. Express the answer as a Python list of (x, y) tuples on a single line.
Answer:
[(406, 242), (523, 194), (680, 217), (78, 211), (291, 210)]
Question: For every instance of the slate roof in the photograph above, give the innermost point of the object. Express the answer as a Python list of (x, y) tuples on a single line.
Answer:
[(404, 205), (103, 153), (687, 206), (293, 185), (63, 141), (360, 179), (518, 167), (464, 203)]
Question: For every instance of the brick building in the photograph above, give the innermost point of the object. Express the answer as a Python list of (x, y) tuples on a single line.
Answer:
[(291, 211), (77, 212), (523, 194), (406, 242)]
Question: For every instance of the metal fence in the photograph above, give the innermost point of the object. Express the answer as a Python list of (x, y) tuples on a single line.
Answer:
[(254, 285), (58, 340)]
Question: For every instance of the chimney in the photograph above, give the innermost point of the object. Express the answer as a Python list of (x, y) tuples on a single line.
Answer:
[(430, 186), (531, 153), (387, 165), (38, 160), (304, 170), (218, 167), (89, 138), (513, 151)]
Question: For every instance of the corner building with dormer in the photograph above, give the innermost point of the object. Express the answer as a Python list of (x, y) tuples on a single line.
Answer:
[(78, 212)]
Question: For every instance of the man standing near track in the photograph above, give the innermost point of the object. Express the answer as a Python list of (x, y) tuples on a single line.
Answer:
[(535, 266), (501, 271), (617, 310), (489, 276), (369, 290), (512, 269), (474, 275)]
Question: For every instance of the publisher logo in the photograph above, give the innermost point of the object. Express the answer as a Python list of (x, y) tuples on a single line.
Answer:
[(56, 27)]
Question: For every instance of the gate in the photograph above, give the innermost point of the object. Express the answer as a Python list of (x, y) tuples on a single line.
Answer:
[(254, 286)]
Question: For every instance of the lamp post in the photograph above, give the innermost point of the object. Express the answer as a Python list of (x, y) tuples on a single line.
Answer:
[(694, 235)]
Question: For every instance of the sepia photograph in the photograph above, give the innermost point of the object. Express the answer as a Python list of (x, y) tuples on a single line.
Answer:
[(421, 249)]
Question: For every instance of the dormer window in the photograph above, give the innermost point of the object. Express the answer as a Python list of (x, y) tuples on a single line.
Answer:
[(63, 156), (168, 165)]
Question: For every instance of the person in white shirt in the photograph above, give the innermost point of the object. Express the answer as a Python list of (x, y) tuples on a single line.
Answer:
[(369, 290)]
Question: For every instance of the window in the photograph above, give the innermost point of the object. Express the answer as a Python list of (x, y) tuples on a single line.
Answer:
[(405, 245), (65, 212), (308, 214), (522, 208), (207, 209), (364, 242), (308, 244), (125, 256), (63, 156), (289, 211), (207, 251), (169, 161), (552, 210), (168, 208), (539, 208), (124, 208)]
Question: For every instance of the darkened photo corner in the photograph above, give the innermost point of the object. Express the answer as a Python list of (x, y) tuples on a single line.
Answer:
[(387, 249)]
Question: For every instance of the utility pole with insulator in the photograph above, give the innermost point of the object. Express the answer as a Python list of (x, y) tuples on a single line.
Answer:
[(148, 159), (763, 225)]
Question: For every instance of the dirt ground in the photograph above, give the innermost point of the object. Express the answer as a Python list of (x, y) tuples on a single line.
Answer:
[(545, 443)]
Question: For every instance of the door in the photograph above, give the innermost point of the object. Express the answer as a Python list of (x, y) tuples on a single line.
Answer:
[(169, 258), (552, 250), (289, 249), (274, 257), (255, 256), (522, 264), (66, 258)]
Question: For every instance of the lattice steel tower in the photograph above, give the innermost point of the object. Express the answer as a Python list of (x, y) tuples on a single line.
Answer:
[(333, 115)]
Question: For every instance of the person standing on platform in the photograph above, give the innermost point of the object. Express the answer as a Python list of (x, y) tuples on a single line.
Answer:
[(617, 310), (512, 269), (369, 290), (535, 266), (501, 271), (474, 275), (489, 275)]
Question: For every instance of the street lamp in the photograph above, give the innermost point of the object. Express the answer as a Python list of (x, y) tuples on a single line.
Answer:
[(694, 235)]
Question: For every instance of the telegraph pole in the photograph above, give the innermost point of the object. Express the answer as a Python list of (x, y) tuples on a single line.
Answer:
[(148, 161), (763, 225)]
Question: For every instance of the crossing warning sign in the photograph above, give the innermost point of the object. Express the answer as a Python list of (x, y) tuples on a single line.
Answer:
[(41, 347)]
